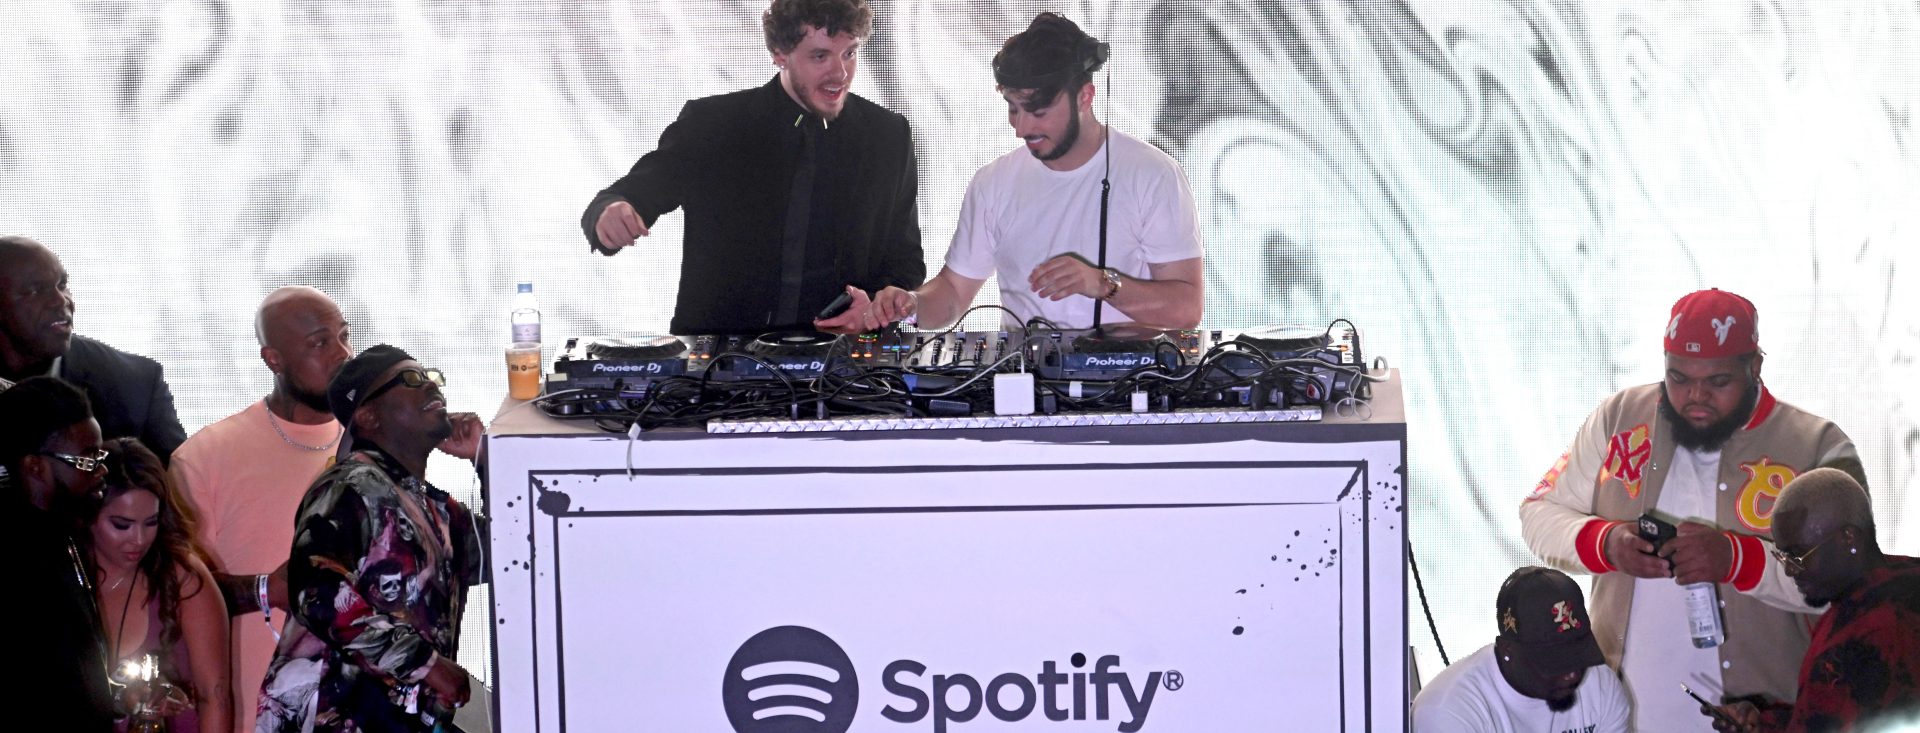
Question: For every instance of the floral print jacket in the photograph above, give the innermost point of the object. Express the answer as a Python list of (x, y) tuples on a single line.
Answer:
[(378, 575)]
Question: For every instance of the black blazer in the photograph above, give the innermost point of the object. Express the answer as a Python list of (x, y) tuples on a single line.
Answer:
[(129, 395), (56, 648), (728, 162)]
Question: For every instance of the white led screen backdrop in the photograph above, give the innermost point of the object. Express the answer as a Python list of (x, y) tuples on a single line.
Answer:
[(1507, 197)]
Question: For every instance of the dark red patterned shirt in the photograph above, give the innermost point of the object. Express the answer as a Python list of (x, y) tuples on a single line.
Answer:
[(1863, 665)]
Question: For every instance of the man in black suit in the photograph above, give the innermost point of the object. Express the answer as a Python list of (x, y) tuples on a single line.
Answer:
[(793, 190), (129, 394)]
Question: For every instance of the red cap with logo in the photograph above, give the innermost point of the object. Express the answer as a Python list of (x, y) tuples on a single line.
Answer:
[(1713, 324)]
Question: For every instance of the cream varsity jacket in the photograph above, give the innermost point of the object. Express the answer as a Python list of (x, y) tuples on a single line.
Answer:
[(1613, 473)]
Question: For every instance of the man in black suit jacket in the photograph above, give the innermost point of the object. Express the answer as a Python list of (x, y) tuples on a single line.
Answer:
[(129, 394), (793, 190)]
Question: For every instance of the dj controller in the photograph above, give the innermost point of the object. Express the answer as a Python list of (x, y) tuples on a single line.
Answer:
[(900, 373)]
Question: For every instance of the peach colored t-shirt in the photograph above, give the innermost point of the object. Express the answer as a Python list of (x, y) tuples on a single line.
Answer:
[(247, 483)]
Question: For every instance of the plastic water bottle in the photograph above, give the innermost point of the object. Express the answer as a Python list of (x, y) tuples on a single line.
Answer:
[(525, 316), (1703, 615)]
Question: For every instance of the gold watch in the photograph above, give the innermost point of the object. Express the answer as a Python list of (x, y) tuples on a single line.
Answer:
[(1113, 282)]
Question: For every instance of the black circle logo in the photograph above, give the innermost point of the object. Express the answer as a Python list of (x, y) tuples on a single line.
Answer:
[(790, 679)]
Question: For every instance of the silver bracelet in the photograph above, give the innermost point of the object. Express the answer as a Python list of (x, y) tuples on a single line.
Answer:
[(266, 607)]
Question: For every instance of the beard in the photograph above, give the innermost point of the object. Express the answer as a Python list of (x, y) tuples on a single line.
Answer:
[(313, 400), (1066, 145), (805, 94), (1561, 704), (1716, 433), (441, 428)]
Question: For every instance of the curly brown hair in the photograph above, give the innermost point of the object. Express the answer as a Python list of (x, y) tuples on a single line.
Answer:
[(786, 23), (131, 467)]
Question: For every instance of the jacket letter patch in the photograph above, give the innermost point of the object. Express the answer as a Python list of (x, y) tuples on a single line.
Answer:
[(1765, 479), (1627, 456), (1552, 478)]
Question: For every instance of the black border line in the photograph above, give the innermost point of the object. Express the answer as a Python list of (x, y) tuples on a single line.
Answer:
[(922, 509), (1283, 432), (1366, 581), (1406, 548), (709, 471), (1360, 468)]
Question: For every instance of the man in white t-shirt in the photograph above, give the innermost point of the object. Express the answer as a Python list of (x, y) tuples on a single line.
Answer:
[(1034, 216), (246, 474), (1544, 672)]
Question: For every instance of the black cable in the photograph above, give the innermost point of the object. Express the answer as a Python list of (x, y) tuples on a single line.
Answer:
[(1424, 608), (1106, 186)]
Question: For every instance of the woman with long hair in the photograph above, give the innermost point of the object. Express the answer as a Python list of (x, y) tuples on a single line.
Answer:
[(156, 595)]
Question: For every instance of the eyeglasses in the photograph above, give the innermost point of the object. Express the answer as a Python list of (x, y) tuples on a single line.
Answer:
[(84, 464), (411, 378), (1798, 563)]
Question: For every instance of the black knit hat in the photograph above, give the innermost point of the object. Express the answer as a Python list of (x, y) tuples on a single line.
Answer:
[(356, 378)]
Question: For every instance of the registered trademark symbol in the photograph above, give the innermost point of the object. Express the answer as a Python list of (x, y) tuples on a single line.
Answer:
[(1174, 680)]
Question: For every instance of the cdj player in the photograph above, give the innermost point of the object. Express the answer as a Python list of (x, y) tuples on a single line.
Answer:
[(903, 372), (626, 365)]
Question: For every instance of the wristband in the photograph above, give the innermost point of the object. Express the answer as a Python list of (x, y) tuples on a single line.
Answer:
[(266, 606)]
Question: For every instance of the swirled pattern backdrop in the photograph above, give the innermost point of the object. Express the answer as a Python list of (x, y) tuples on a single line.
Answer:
[(1507, 196)]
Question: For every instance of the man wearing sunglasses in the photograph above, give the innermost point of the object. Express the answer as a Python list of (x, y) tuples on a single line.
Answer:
[(381, 563), (1708, 449), (1862, 669), (50, 449)]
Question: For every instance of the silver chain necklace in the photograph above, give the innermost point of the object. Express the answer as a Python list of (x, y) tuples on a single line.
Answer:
[(275, 423)]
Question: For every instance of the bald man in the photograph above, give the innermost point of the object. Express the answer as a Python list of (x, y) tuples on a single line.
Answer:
[(128, 393), (246, 473), (1862, 669)]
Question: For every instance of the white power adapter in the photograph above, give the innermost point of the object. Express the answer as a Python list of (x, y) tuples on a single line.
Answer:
[(1013, 394)]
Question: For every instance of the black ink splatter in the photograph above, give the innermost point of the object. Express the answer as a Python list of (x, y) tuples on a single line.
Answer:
[(553, 503)]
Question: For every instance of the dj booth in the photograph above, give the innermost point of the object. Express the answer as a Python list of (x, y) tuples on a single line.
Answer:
[(1178, 571)]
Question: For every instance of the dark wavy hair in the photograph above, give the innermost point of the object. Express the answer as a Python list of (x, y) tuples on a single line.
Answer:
[(1051, 56), (131, 467), (785, 24)]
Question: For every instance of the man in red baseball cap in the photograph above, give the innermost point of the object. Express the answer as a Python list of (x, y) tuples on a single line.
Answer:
[(1706, 449)]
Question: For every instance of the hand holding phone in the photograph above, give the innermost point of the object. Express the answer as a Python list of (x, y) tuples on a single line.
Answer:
[(1706, 708), (837, 307), (1655, 530), (1630, 547)]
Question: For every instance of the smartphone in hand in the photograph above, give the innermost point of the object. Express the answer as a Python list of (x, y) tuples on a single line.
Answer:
[(1655, 530), (837, 307), (1712, 709)]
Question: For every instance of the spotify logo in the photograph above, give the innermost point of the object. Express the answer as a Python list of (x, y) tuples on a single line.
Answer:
[(790, 679)]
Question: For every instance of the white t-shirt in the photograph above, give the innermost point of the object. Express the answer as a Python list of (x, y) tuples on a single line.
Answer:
[(1660, 653), (1471, 695), (1018, 213)]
